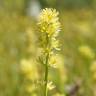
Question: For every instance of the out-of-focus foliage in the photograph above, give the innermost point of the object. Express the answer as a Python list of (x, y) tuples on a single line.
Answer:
[(79, 35), (19, 51), (68, 4)]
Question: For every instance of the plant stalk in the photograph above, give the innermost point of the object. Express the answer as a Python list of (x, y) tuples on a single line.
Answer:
[(46, 75)]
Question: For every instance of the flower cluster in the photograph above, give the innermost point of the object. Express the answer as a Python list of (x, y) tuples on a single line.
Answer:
[(49, 21), (49, 27)]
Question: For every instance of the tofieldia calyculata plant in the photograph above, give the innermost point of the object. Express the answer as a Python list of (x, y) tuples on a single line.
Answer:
[(49, 27)]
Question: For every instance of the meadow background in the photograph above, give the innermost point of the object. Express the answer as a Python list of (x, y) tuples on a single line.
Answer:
[(19, 48)]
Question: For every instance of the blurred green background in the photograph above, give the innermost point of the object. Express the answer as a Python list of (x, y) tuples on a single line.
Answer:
[(18, 36)]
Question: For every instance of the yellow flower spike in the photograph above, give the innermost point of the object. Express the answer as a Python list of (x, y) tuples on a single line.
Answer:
[(49, 26)]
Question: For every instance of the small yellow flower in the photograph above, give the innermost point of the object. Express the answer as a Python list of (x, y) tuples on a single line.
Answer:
[(50, 85), (55, 44), (53, 62), (56, 61), (87, 51), (26, 66), (28, 69)]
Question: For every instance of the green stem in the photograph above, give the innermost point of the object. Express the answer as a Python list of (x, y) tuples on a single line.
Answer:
[(46, 67), (46, 75)]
